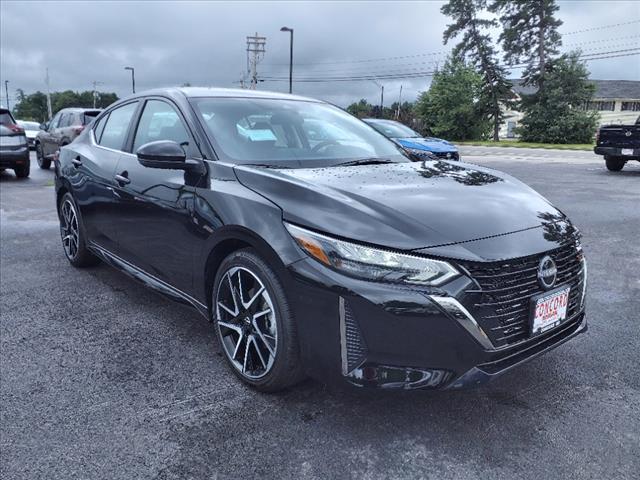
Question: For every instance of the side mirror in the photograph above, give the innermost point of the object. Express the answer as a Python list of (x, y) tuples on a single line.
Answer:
[(162, 154)]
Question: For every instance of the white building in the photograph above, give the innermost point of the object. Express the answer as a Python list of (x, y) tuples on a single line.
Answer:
[(617, 102)]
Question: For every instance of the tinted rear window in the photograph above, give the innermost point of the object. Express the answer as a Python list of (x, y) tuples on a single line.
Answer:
[(5, 118)]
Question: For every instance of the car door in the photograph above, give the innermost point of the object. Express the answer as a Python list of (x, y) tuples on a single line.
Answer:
[(47, 141), (155, 226), (94, 183)]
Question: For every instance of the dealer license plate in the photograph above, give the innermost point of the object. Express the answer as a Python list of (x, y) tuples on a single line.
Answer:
[(627, 151), (549, 311)]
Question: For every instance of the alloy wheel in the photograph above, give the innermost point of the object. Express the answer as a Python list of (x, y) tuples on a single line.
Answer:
[(246, 321), (69, 229)]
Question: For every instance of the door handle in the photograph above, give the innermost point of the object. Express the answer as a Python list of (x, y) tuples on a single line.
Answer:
[(76, 162), (122, 178)]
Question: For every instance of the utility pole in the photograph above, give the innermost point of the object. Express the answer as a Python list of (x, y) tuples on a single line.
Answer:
[(255, 54), (49, 112), (133, 78), (381, 96), (6, 91), (290, 30), (95, 92), (399, 104)]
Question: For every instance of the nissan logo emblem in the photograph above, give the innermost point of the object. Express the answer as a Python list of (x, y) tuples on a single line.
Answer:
[(627, 133), (547, 272)]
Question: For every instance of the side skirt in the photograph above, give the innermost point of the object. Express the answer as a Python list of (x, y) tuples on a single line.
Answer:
[(149, 280)]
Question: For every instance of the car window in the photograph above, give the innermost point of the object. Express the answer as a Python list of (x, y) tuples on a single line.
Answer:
[(55, 120), (5, 118), (160, 121), (99, 127), (393, 129), (117, 125), (263, 130), (65, 120)]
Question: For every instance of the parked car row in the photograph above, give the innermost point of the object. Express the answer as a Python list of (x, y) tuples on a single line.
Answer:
[(17, 137)]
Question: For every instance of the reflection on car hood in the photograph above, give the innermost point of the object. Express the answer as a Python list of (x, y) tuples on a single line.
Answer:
[(430, 144), (403, 205)]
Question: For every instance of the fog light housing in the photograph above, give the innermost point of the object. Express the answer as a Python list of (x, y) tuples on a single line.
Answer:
[(403, 378)]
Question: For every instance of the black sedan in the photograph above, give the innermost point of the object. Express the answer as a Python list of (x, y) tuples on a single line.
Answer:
[(315, 246)]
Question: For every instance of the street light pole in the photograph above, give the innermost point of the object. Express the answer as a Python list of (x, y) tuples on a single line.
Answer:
[(133, 78), (6, 91), (290, 30)]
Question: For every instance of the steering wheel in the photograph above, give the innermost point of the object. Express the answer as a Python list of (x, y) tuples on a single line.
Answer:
[(324, 144)]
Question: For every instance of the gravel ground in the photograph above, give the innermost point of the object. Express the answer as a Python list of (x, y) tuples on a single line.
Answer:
[(103, 379)]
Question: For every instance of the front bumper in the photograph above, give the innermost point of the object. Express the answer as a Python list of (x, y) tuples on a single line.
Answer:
[(366, 334), (13, 156)]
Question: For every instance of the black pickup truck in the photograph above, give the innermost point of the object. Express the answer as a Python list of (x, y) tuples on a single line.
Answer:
[(618, 144)]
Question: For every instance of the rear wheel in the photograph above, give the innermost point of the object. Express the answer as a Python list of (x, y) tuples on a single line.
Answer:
[(23, 170), (614, 164), (72, 234), (42, 162), (254, 323)]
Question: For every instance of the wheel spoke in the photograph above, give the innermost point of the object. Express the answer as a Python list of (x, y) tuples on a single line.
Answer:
[(262, 336), (231, 326), (226, 309), (246, 355), (260, 314), (237, 348), (233, 295), (252, 339), (253, 299)]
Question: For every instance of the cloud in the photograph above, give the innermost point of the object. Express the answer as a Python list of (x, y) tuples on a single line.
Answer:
[(203, 43)]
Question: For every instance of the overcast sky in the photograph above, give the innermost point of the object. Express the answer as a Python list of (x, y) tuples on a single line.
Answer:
[(203, 43)]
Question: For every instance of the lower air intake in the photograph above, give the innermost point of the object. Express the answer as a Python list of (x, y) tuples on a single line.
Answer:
[(352, 345)]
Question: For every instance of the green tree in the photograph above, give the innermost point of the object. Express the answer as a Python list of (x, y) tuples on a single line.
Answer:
[(31, 107), (557, 114), (360, 109), (477, 46), (530, 34), (450, 108), (34, 106)]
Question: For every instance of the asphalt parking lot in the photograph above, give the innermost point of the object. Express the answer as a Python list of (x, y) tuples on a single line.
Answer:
[(102, 378)]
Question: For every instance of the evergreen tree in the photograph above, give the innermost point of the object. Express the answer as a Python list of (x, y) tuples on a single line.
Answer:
[(477, 46), (530, 35), (557, 114), (451, 108)]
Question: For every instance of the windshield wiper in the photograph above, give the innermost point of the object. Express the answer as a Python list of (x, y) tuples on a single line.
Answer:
[(363, 161)]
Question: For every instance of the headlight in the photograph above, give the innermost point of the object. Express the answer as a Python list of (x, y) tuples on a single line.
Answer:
[(371, 263)]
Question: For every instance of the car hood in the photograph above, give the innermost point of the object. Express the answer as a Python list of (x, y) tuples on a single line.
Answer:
[(429, 144), (403, 205)]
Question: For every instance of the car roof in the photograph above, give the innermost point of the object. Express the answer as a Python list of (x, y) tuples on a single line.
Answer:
[(380, 120), (200, 92), (79, 110)]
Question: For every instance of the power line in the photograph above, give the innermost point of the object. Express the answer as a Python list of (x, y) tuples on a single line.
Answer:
[(400, 75), (602, 27)]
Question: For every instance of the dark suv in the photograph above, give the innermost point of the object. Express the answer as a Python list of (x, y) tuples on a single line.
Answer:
[(14, 152), (63, 128)]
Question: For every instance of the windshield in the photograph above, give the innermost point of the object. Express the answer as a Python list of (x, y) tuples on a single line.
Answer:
[(31, 126), (289, 132), (392, 129)]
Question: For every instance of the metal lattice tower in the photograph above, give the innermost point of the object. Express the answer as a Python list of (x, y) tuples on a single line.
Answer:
[(255, 54)]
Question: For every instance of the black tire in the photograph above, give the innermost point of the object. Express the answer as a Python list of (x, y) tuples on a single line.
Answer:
[(43, 163), (285, 366), (79, 257), (614, 164), (23, 170)]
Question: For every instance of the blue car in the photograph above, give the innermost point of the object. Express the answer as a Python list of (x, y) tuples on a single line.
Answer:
[(413, 142)]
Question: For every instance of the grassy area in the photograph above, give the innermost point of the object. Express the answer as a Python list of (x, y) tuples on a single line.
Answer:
[(516, 144)]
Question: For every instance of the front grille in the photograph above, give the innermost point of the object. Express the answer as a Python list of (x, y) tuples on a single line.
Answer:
[(446, 155), (502, 305)]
